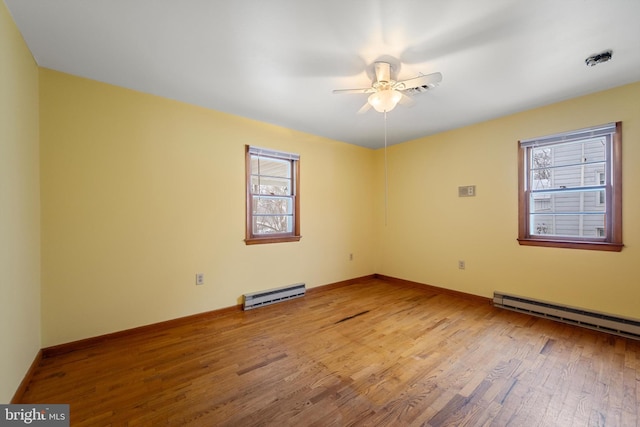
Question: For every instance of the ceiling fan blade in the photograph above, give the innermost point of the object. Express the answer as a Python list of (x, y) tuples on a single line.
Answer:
[(407, 101), (364, 90), (428, 80), (366, 107)]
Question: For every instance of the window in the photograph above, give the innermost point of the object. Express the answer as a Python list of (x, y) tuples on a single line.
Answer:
[(273, 196), (570, 189)]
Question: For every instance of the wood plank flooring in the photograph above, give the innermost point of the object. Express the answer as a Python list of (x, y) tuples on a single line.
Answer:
[(368, 354)]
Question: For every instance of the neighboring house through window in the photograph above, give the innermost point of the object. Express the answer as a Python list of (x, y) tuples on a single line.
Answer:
[(273, 196), (570, 189)]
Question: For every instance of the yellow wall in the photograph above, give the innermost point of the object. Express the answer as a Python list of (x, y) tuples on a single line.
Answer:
[(140, 193), (19, 208), (430, 228)]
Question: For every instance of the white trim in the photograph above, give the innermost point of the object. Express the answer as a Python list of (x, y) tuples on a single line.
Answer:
[(273, 153), (581, 134)]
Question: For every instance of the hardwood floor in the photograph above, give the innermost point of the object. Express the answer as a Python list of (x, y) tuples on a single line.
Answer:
[(370, 354)]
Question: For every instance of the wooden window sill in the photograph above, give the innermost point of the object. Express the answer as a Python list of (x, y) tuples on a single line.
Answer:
[(264, 240), (573, 244)]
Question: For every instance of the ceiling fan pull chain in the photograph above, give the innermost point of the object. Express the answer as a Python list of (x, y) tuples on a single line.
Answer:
[(386, 179)]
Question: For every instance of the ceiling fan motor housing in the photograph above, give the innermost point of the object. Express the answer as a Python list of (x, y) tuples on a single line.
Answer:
[(383, 72)]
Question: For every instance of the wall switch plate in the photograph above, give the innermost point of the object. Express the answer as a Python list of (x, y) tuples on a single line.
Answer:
[(467, 191), (461, 265), (200, 279)]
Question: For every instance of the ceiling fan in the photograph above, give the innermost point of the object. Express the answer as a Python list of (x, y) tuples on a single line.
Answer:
[(386, 93)]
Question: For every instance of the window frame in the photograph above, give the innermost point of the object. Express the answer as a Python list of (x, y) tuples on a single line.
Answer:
[(612, 241), (294, 236), (601, 179)]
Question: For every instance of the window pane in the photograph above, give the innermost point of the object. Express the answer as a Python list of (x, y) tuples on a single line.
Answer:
[(567, 202), (579, 225), (574, 176), (265, 205), (272, 224), (270, 167), (570, 153), (270, 185), (540, 167)]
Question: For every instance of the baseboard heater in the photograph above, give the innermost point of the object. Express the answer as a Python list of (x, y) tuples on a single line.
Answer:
[(616, 325), (272, 296)]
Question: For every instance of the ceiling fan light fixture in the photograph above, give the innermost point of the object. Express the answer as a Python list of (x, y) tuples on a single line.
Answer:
[(385, 100)]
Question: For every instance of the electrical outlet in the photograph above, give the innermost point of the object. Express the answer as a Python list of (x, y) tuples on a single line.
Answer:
[(200, 279), (461, 265), (350, 257)]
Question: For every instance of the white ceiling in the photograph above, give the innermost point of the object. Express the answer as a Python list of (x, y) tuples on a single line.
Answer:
[(278, 61)]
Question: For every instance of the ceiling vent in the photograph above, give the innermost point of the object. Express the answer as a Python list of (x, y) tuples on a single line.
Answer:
[(419, 89), (598, 58)]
